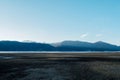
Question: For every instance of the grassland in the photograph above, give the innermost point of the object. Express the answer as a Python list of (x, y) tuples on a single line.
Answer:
[(60, 66)]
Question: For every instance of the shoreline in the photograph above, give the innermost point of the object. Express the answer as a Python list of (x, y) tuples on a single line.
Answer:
[(62, 56)]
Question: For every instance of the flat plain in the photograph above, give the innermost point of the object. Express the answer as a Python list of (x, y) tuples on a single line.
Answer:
[(60, 66)]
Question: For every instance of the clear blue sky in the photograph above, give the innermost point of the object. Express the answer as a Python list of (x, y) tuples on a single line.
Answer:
[(58, 20)]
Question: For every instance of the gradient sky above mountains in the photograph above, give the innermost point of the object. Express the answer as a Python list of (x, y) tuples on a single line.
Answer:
[(58, 20)]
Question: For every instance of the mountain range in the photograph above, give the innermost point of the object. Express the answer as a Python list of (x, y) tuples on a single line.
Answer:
[(86, 46), (60, 46)]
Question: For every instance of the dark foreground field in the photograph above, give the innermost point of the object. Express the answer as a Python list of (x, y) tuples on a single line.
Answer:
[(60, 66)]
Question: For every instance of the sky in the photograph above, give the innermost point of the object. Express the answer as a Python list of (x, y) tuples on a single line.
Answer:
[(58, 20)]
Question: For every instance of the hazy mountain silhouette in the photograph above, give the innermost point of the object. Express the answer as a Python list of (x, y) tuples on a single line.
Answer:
[(101, 44), (61, 46), (72, 43), (86, 46), (24, 46)]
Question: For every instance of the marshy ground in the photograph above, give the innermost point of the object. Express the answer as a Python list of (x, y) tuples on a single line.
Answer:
[(60, 66)]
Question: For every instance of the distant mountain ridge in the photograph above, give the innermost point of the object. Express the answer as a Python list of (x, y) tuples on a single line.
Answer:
[(87, 46), (60, 46), (24, 46), (72, 43)]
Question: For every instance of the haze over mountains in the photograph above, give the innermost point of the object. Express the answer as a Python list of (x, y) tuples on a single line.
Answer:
[(86, 46), (61, 46)]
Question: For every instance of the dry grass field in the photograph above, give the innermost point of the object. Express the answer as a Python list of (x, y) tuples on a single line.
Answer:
[(60, 66)]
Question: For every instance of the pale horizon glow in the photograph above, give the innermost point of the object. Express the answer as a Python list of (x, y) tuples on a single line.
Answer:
[(58, 20)]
